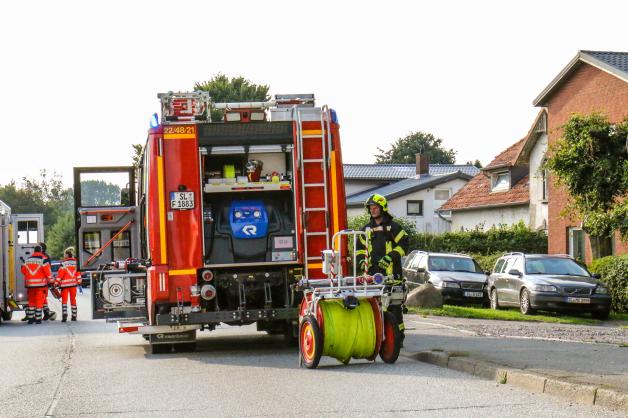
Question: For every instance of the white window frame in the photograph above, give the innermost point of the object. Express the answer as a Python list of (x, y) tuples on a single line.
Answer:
[(502, 187)]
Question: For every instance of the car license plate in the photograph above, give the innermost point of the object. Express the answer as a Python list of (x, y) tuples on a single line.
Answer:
[(474, 294), (578, 300), (182, 200)]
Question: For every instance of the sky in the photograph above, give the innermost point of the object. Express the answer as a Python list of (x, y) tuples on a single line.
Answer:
[(79, 80)]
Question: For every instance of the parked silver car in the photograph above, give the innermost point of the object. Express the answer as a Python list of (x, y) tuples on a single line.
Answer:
[(458, 277), (549, 282)]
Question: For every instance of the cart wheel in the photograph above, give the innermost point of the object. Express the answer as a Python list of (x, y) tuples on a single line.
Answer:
[(392, 339), (310, 342)]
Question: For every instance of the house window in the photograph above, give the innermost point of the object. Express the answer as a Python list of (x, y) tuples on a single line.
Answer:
[(576, 243), (441, 194), (414, 208), (500, 181)]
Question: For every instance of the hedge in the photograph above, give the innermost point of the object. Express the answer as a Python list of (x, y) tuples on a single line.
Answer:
[(614, 272), (500, 239)]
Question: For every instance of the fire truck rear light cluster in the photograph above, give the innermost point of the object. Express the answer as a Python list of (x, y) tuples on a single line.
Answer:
[(195, 294), (207, 275), (123, 330), (208, 292)]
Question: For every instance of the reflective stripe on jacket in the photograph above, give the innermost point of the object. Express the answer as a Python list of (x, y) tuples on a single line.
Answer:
[(389, 239), (67, 276), (36, 271)]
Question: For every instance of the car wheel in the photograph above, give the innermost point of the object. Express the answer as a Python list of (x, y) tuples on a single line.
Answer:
[(493, 299), (601, 315), (524, 303)]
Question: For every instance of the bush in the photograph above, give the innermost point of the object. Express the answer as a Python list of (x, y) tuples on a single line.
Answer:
[(487, 262), (614, 272)]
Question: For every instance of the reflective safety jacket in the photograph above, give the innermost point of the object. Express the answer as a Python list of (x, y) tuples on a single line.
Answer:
[(36, 270), (387, 238), (68, 276)]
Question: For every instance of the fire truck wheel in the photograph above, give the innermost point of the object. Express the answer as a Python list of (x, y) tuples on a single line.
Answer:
[(389, 352), (310, 342), (184, 347), (160, 348)]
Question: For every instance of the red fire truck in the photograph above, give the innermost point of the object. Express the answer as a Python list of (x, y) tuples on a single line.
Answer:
[(218, 223)]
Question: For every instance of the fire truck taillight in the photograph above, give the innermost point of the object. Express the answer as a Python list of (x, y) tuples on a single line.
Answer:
[(208, 292), (207, 275)]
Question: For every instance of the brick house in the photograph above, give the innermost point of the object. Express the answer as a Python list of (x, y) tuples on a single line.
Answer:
[(592, 81), (510, 189)]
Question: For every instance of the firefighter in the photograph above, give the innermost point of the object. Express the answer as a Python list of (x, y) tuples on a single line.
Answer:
[(37, 277), (47, 313), (68, 278), (387, 243)]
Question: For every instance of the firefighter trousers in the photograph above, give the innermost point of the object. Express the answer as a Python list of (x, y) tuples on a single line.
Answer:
[(71, 293)]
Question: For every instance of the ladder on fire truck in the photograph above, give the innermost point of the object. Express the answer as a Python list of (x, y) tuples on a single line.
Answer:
[(313, 157)]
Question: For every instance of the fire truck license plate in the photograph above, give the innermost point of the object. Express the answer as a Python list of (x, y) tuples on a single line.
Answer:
[(182, 200)]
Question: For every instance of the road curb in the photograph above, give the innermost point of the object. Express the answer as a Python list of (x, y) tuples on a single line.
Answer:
[(583, 393)]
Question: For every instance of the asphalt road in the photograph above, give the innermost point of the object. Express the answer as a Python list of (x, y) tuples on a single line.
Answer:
[(85, 369)]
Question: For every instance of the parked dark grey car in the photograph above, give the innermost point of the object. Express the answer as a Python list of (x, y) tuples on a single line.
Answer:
[(549, 282), (458, 277)]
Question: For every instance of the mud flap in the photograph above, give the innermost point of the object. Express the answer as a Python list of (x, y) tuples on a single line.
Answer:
[(173, 337)]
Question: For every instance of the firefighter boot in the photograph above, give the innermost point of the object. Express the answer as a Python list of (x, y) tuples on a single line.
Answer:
[(64, 312), (46, 313), (64, 317), (74, 313), (38, 315), (30, 315)]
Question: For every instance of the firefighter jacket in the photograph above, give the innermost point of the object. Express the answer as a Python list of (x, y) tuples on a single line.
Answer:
[(68, 276), (36, 270), (385, 239)]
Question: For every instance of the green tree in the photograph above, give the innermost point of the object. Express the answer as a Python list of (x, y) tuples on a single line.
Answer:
[(61, 235), (404, 150), (44, 195), (591, 162), (137, 154), (475, 163), (99, 193), (222, 89)]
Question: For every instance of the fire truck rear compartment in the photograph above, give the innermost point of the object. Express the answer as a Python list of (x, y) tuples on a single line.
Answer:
[(224, 246)]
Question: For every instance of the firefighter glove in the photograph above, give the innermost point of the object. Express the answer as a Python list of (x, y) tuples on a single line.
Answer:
[(385, 261)]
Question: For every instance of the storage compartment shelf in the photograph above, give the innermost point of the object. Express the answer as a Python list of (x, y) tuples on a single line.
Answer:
[(246, 187)]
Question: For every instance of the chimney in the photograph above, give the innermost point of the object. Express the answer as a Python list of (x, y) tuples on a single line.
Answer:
[(422, 164)]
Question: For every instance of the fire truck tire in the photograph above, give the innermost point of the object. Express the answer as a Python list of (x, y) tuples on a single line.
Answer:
[(310, 342), (184, 347), (391, 345), (160, 348)]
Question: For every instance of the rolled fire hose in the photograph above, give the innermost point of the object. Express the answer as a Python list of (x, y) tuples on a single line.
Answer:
[(348, 332)]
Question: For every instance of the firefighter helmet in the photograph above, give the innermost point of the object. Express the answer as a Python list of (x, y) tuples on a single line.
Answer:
[(377, 199)]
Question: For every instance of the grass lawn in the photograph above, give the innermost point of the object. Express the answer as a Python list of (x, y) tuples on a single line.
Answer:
[(512, 315)]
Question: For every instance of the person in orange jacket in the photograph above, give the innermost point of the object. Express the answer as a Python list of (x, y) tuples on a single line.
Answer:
[(37, 276), (68, 278)]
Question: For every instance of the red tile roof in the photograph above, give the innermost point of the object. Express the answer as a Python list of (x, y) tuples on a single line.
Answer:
[(508, 157), (476, 194)]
